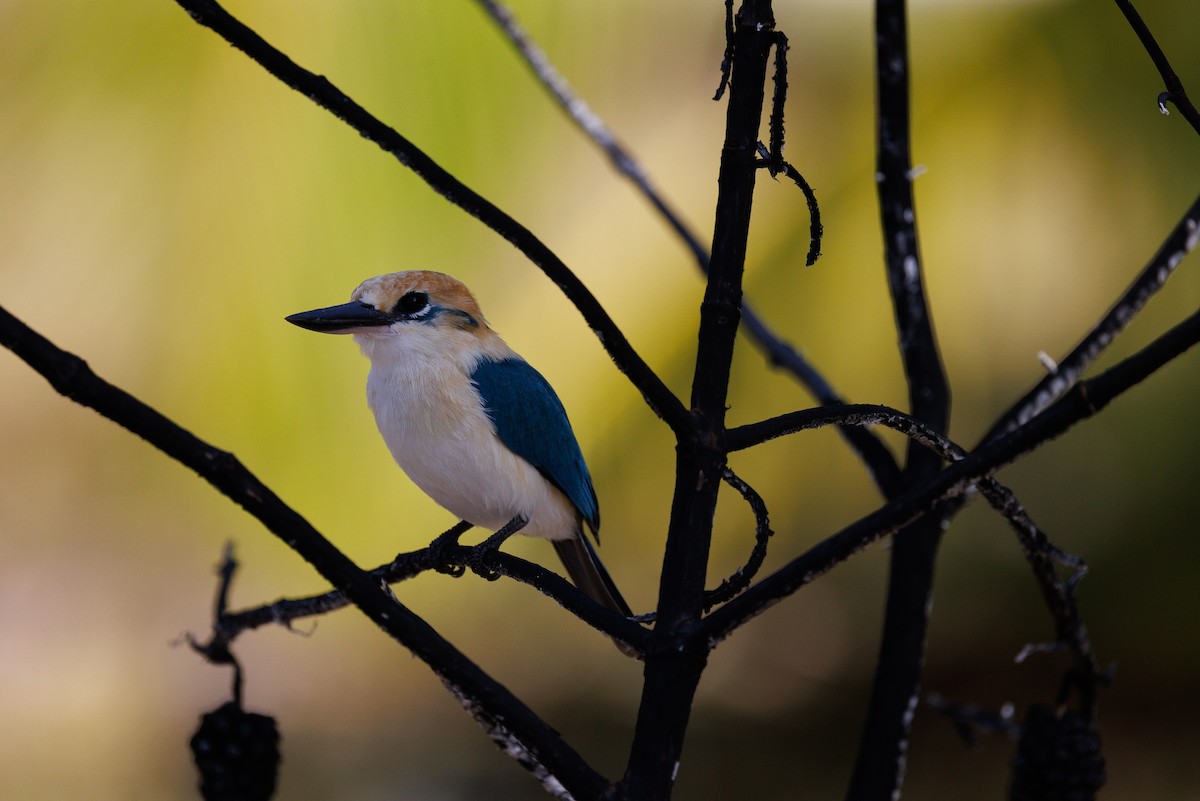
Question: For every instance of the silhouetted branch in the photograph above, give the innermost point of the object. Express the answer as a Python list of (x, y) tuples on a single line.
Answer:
[(1182, 239), (1175, 92), (229, 625), (1042, 556), (1039, 551), (590, 123), (318, 89), (675, 657), (778, 99), (870, 448), (504, 717), (1083, 401), (879, 766)]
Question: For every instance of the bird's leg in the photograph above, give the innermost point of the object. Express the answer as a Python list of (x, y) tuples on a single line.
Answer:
[(483, 552), (440, 550)]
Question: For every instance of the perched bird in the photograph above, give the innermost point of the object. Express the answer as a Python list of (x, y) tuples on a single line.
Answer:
[(468, 420)]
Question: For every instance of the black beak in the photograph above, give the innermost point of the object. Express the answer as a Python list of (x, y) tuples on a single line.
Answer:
[(341, 319)]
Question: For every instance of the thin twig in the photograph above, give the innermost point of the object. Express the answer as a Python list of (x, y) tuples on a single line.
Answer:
[(778, 99), (816, 230), (1183, 238), (742, 577), (590, 123), (286, 611), (727, 58), (1175, 92), (1040, 552), (971, 720)]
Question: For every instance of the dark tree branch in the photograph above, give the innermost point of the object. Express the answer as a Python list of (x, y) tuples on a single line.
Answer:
[(451, 560), (1042, 557), (1175, 92), (870, 448), (579, 112), (879, 766), (1083, 401), (318, 89), (1041, 554), (675, 658), (1182, 239), (522, 734)]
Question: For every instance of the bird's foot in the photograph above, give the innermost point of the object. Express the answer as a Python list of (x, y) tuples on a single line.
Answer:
[(441, 550), (482, 556)]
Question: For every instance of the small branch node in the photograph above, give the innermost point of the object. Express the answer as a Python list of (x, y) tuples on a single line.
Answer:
[(1038, 648), (971, 721)]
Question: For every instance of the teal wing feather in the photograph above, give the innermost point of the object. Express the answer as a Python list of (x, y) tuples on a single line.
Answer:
[(531, 421)]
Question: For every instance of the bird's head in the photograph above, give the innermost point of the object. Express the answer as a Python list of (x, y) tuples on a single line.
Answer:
[(401, 310)]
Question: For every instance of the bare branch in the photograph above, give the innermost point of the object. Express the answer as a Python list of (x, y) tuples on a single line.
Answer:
[(1083, 401), (1182, 239), (1039, 551), (675, 657), (229, 625), (579, 112), (879, 766)]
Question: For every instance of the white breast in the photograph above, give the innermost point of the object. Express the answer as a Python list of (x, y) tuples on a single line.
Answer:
[(432, 419)]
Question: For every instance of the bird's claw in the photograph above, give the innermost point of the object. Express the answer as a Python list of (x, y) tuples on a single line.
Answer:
[(482, 557), (479, 561), (441, 551)]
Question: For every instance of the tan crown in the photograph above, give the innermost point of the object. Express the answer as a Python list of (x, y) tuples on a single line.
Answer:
[(383, 291)]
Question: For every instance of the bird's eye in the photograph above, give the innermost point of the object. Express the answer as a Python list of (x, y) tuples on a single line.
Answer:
[(411, 303)]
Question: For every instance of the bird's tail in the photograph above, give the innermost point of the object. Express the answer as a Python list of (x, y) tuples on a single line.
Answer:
[(585, 569)]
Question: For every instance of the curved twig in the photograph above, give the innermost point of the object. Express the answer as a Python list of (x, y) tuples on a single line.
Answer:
[(742, 577)]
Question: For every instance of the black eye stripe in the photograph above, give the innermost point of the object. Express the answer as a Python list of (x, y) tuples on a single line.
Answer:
[(412, 304)]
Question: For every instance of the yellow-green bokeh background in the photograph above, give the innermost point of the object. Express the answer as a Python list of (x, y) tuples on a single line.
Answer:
[(164, 204)]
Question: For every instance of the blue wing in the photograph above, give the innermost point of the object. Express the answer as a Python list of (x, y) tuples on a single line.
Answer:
[(531, 421)]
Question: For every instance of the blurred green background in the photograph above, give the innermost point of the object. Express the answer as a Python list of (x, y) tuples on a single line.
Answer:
[(164, 204)]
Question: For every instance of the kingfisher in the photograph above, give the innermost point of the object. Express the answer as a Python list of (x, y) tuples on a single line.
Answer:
[(469, 421)]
